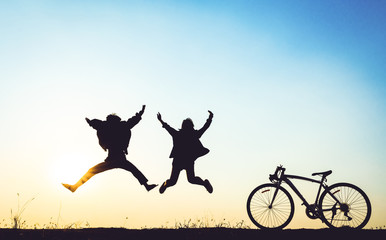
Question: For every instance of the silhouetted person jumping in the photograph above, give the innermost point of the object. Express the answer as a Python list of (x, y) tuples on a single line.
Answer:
[(114, 136), (187, 147)]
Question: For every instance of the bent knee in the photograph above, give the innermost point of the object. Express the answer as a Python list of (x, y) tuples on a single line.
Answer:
[(194, 179), (171, 182)]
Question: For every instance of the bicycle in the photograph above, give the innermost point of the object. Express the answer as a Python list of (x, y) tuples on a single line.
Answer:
[(270, 206)]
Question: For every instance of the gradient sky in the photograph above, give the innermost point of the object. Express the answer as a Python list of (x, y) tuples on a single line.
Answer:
[(298, 83)]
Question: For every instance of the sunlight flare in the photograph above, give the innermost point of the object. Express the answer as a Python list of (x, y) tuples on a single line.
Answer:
[(69, 167)]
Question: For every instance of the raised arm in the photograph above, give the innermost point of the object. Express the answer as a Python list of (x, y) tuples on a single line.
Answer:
[(142, 110), (131, 122), (206, 125), (170, 130), (159, 117), (95, 123)]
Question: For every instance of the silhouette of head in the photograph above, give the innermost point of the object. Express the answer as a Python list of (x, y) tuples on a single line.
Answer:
[(113, 118), (187, 124)]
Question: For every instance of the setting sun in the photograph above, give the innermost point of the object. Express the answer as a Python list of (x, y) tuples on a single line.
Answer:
[(68, 168)]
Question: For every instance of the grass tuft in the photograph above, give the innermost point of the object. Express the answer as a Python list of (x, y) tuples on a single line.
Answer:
[(16, 217), (206, 223)]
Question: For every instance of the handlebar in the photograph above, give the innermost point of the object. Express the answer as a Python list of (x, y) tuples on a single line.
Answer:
[(276, 176)]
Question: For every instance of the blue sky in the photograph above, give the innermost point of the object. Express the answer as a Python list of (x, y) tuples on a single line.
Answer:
[(298, 83)]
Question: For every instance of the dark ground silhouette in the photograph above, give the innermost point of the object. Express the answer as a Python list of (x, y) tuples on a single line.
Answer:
[(188, 234)]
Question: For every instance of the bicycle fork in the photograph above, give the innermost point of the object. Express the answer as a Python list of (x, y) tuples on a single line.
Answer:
[(274, 196)]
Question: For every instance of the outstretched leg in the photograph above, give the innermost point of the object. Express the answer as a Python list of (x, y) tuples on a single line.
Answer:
[(192, 178), (172, 180), (101, 167), (128, 166)]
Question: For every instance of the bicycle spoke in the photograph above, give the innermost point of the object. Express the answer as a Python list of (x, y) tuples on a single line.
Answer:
[(267, 212), (352, 209)]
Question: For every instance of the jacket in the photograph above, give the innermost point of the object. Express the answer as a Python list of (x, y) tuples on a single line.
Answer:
[(114, 135), (186, 143)]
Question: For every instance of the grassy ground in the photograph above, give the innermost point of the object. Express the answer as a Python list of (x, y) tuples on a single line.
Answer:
[(188, 234)]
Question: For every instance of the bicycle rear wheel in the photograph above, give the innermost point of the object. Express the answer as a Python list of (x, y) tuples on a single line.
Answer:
[(353, 209), (267, 216)]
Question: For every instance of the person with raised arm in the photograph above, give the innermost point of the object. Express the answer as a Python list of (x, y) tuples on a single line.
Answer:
[(114, 136), (187, 147)]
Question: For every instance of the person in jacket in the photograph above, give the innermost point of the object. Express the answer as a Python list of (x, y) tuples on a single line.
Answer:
[(187, 147), (114, 136)]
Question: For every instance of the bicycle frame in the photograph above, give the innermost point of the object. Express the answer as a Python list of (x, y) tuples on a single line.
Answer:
[(286, 178)]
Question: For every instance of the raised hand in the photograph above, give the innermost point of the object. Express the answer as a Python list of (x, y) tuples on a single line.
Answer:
[(159, 117), (210, 114), (142, 110)]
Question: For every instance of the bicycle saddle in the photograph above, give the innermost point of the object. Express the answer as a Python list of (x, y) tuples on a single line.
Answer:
[(323, 174)]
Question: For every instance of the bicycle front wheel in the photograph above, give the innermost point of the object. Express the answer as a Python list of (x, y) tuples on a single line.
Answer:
[(344, 205), (266, 214)]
